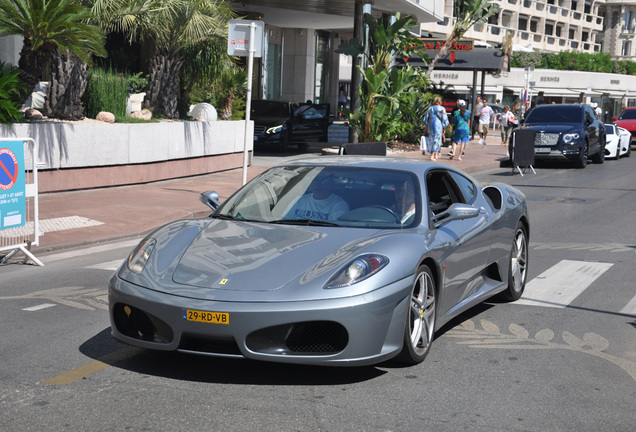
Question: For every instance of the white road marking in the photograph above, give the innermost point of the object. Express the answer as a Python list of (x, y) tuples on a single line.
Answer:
[(630, 308), (91, 250), (110, 265), (558, 286), (50, 225), (38, 307)]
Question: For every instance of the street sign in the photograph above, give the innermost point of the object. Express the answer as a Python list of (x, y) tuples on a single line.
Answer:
[(12, 184), (436, 45), (238, 41)]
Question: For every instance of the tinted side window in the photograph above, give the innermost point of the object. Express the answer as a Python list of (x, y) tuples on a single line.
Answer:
[(466, 186), (441, 191)]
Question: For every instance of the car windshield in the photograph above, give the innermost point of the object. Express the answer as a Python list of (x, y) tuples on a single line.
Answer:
[(265, 108), (609, 129), (555, 114), (327, 196), (629, 114)]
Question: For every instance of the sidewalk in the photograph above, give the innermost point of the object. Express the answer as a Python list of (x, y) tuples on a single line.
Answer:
[(80, 218)]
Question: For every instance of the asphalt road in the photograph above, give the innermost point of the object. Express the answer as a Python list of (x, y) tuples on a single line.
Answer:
[(561, 359)]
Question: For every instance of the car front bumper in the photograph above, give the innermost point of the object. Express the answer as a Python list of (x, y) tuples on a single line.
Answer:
[(359, 330)]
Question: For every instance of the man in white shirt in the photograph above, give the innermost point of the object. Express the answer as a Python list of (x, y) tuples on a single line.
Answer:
[(319, 203), (485, 114)]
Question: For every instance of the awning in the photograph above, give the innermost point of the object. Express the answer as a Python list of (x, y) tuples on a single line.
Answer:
[(479, 59), (613, 93), (588, 92), (548, 91)]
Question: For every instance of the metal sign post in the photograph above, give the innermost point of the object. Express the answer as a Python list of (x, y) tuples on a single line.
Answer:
[(240, 44)]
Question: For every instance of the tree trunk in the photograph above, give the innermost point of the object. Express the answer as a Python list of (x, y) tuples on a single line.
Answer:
[(31, 64), (163, 84), (226, 114), (68, 82)]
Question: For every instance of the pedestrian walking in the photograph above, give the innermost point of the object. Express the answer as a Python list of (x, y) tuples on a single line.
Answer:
[(516, 111), (461, 129), (507, 122), (484, 121), (435, 121), (478, 106)]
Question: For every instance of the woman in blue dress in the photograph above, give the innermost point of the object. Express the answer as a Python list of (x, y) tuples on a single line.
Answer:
[(436, 121)]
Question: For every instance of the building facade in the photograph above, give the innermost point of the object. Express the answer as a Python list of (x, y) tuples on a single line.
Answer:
[(538, 25), (619, 29)]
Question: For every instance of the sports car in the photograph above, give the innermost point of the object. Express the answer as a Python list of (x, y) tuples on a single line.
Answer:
[(618, 141), (343, 260)]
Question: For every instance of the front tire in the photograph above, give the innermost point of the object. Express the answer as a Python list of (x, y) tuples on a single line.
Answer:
[(581, 161), (599, 157), (420, 318), (518, 265)]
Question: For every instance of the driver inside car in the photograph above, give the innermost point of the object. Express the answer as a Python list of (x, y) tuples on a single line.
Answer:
[(405, 201), (319, 203)]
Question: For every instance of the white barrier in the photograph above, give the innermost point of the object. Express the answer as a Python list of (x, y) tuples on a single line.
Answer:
[(21, 238)]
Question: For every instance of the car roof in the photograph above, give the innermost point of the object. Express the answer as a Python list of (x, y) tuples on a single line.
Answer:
[(415, 166)]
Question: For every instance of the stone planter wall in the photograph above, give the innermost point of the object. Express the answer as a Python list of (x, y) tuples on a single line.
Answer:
[(88, 155)]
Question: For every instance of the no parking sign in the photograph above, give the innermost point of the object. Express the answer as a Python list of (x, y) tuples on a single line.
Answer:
[(12, 184)]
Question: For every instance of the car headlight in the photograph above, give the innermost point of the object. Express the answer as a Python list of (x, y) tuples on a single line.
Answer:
[(567, 138), (274, 129), (138, 258), (358, 270)]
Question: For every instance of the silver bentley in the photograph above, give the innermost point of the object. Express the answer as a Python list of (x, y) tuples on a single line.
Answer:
[(338, 260)]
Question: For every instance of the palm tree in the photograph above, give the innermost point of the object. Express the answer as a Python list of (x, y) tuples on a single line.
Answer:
[(171, 25), (233, 82), (467, 14), (54, 31)]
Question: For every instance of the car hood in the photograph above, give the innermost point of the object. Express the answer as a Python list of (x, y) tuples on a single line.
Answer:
[(270, 121), (627, 124), (243, 256), (554, 127)]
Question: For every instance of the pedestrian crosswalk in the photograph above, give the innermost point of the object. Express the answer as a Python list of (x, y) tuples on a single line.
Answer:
[(559, 285)]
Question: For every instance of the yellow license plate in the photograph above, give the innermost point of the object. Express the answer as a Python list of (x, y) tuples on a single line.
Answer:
[(206, 317)]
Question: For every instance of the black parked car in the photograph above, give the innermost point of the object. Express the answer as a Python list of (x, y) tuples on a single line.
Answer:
[(281, 123), (567, 132)]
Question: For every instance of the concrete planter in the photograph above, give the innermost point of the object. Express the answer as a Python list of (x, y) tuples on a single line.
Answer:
[(86, 155)]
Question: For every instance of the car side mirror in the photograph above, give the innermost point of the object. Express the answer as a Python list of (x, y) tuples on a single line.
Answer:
[(456, 211), (614, 118), (210, 199)]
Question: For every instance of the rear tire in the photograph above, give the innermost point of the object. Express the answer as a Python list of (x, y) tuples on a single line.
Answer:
[(518, 265), (420, 318)]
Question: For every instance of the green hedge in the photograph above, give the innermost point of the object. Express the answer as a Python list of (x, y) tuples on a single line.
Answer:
[(574, 61)]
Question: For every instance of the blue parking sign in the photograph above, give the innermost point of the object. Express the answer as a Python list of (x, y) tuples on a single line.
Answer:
[(12, 184)]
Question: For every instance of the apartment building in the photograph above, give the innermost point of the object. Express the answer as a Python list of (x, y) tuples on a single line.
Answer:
[(539, 25), (619, 29)]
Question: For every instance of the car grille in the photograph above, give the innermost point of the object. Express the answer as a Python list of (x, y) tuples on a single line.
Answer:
[(137, 324), (317, 337), (546, 139), (302, 338), (258, 130)]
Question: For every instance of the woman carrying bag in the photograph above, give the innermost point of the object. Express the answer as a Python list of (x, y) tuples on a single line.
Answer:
[(436, 121)]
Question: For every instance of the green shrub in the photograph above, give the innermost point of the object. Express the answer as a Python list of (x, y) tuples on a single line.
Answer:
[(10, 90), (105, 91), (137, 83)]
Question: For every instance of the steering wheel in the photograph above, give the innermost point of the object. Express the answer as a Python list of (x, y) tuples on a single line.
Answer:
[(398, 219)]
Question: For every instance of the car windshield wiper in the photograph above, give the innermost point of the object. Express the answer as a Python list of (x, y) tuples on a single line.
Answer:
[(310, 222), (224, 216)]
